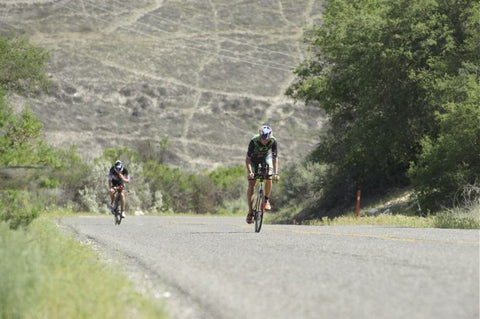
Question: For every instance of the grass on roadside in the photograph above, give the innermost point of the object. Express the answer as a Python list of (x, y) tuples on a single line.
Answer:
[(470, 220), (45, 274), (398, 209)]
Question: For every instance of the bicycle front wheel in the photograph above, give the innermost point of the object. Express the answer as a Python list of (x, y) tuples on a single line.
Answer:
[(117, 209), (258, 211), (258, 220)]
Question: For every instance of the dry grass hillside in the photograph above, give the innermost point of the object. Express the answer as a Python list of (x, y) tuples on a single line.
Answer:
[(204, 73)]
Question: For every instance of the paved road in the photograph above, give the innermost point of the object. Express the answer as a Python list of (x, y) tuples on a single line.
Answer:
[(217, 267)]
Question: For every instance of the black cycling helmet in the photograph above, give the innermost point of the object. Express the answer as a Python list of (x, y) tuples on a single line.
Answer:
[(118, 166), (265, 132)]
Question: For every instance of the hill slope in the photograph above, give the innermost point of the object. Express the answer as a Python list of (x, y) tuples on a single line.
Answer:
[(205, 74)]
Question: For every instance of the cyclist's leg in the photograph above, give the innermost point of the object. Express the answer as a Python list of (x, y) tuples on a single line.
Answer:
[(123, 201), (251, 188), (112, 195), (122, 198), (268, 182)]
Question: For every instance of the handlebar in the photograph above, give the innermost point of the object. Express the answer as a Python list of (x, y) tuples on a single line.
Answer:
[(262, 172), (118, 188), (262, 175)]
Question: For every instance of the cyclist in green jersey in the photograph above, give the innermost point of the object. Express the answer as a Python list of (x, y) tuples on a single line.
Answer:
[(261, 149)]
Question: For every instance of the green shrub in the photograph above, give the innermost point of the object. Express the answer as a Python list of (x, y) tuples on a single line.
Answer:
[(300, 182), (234, 206), (230, 185), (22, 65), (170, 182), (17, 208), (449, 162), (204, 195), (20, 140), (224, 177)]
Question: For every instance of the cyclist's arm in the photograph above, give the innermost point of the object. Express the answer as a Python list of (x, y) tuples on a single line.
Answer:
[(124, 177), (248, 160), (275, 166), (275, 158), (248, 164), (274, 149), (251, 148), (110, 178)]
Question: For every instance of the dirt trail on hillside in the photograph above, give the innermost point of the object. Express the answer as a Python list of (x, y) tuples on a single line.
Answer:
[(203, 74)]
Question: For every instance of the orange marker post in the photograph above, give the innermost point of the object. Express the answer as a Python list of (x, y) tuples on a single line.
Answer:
[(357, 211)]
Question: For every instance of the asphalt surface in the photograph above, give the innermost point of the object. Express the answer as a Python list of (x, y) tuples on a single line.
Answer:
[(218, 267)]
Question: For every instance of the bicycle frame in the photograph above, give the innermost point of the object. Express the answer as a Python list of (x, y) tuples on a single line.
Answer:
[(259, 197)]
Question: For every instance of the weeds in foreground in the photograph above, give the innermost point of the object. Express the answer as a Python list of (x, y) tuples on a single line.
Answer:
[(45, 274)]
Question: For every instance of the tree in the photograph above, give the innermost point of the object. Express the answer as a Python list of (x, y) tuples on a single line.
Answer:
[(20, 140), (22, 65), (22, 69), (450, 161), (373, 68)]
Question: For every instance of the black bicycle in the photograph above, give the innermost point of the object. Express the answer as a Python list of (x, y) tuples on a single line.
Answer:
[(258, 203), (117, 204)]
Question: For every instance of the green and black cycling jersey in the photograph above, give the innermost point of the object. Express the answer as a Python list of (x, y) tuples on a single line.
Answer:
[(257, 152)]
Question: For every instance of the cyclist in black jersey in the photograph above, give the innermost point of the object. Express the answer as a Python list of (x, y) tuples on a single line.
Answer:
[(118, 175), (261, 149)]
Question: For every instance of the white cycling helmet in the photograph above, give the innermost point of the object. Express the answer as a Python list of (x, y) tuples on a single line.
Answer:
[(118, 166), (265, 132)]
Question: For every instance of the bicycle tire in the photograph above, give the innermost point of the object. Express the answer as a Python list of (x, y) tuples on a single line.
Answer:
[(117, 209), (258, 212), (258, 220)]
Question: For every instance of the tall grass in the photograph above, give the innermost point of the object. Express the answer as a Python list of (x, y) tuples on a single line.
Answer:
[(44, 274), (398, 214), (463, 220), (459, 219)]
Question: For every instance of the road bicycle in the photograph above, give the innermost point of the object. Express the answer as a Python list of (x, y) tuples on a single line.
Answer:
[(117, 204), (258, 203)]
